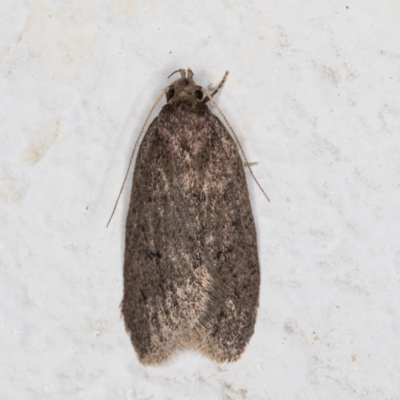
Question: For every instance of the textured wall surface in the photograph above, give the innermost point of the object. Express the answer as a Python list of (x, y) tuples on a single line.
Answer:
[(313, 94)]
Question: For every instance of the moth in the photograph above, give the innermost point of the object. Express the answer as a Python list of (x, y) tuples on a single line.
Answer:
[(191, 269)]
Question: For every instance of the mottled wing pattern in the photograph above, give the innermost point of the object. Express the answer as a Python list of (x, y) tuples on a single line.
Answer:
[(168, 288), (232, 245), (191, 273)]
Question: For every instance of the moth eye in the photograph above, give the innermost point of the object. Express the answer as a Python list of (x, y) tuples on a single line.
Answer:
[(170, 94), (198, 94)]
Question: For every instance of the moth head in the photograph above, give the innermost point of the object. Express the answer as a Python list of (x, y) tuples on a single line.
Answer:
[(184, 88)]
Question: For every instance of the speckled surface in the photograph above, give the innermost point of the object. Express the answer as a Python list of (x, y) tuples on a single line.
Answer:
[(313, 94)]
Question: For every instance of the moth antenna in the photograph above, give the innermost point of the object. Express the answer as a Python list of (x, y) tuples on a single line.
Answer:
[(219, 87), (190, 73), (173, 73), (181, 71), (134, 149), (209, 96)]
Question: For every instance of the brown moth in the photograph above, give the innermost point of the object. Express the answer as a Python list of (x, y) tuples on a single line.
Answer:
[(191, 271)]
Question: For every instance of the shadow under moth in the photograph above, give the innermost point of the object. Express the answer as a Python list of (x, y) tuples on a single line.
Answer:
[(191, 270)]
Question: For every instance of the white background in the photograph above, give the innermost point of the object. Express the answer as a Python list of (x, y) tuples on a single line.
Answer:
[(314, 96)]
